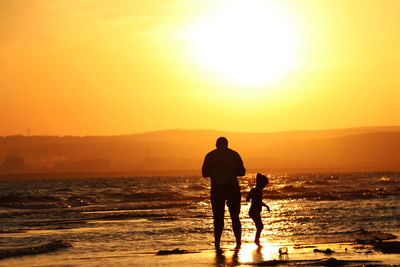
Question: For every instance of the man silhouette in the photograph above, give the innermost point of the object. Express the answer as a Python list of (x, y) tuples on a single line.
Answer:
[(223, 165)]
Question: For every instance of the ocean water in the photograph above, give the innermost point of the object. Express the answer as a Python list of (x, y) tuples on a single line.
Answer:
[(115, 217)]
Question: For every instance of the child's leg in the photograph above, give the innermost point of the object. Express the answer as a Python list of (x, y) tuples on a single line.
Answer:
[(259, 226), (256, 217)]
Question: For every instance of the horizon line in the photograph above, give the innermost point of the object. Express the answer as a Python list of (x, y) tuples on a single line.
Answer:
[(215, 130)]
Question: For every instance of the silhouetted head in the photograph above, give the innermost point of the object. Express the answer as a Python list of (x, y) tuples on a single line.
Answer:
[(222, 142), (262, 180)]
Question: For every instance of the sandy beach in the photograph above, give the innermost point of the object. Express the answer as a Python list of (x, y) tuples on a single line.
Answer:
[(344, 254), (348, 254)]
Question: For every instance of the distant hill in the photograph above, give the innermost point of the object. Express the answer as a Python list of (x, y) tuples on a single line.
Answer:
[(378, 151), (353, 149)]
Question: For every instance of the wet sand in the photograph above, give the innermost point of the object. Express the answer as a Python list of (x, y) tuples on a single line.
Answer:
[(334, 254)]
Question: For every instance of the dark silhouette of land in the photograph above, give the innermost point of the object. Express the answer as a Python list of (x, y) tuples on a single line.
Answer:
[(175, 151)]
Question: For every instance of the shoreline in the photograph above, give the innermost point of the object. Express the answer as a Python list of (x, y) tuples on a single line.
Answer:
[(349, 254)]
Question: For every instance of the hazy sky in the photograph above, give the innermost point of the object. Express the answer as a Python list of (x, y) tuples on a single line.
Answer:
[(114, 67)]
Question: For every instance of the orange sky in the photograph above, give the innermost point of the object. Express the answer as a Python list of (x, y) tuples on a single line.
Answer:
[(114, 67)]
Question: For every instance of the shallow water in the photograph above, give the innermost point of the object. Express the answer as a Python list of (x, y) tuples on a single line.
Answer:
[(125, 216)]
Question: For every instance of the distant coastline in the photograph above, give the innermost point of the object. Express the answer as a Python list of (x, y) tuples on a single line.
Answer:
[(180, 152)]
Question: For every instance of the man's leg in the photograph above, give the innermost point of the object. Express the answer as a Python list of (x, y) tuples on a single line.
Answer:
[(218, 208), (234, 211)]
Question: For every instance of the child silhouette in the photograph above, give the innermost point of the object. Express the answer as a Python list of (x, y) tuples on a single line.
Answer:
[(255, 195)]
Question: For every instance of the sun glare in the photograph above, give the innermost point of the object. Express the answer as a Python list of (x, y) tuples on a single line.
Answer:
[(244, 43)]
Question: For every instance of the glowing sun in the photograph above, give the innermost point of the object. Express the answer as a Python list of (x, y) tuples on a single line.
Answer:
[(244, 43)]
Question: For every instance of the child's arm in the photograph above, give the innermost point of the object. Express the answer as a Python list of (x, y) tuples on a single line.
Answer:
[(265, 205), (249, 195)]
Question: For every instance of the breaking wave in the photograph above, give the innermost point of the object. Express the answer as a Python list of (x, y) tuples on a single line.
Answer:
[(33, 250)]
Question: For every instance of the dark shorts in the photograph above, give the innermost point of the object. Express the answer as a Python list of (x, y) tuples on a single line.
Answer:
[(225, 193)]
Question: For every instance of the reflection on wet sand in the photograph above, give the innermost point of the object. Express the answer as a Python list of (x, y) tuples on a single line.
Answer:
[(257, 255), (247, 253), (222, 260)]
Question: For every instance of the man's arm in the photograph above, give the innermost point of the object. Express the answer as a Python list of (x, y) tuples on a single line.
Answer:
[(206, 170), (239, 166)]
